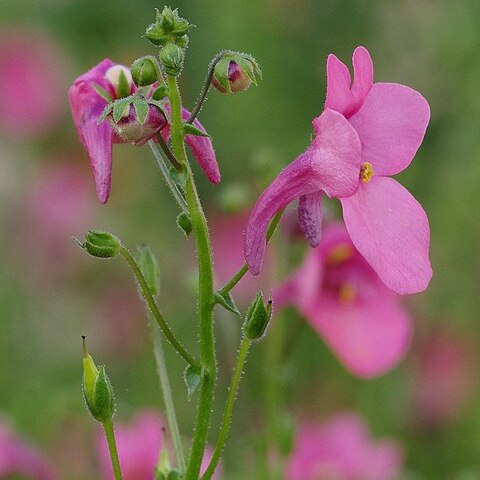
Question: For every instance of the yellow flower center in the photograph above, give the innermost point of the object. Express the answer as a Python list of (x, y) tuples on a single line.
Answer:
[(339, 254), (366, 172), (347, 293)]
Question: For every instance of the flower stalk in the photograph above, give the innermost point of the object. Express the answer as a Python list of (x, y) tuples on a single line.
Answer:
[(112, 447)]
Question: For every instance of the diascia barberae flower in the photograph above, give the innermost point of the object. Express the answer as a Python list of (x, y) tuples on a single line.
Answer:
[(367, 132), (345, 302), (87, 105)]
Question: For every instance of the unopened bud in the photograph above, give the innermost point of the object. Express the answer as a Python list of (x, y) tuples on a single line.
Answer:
[(97, 389), (172, 57), (102, 244), (145, 71), (235, 72), (120, 79), (168, 28), (148, 265), (258, 317)]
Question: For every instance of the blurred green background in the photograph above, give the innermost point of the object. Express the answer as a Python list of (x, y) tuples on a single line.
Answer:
[(52, 292)]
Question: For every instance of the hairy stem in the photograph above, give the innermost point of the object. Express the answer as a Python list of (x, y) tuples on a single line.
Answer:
[(112, 447), (167, 396), (227, 414), (205, 290), (244, 269), (147, 294)]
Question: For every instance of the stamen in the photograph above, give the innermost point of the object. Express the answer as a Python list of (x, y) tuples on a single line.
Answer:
[(339, 254), (366, 172), (347, 293)]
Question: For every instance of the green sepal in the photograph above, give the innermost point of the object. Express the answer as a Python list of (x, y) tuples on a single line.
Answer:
[(184, 222), (258, 318), (160, 92), (221, 73), (106, 112), (192, 379), (101, 244), (247, 67), (121, 108), (227, 302), (123, 86), (104, 398), (160, 106), (102, 92), (141, 109), (190, 129), (148, 265)]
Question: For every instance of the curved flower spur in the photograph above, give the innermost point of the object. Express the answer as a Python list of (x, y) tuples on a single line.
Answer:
[(382, 127)]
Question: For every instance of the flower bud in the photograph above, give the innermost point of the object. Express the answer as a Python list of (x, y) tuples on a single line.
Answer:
[(101, 244), (168, 28), (172, 57), (235, 72), (120, 79), (258, 317), (149, 267), (97, 389), (145, 71)]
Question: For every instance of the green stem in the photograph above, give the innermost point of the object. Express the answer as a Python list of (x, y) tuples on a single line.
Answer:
[(206, 300), (227, 414), (244, 269), (166, 176), (112, 447), (147, 294), (206, 87), (167, 396)]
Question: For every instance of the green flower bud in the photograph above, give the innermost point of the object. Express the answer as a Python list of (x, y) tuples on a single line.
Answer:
[(172, 57), (149, 267), (235, 72), (168, 28), (145, 71), (258, 317), (97, 389), (101, 244)]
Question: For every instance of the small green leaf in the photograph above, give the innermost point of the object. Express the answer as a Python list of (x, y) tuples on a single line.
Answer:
[(148, 265), (123, 86), (105, 113), (227, 302), (221, 73), (141, 109), (160, 93), (184, 222), (180, 178), (102, 92), (190, 129), (192, 380), (121, 108)]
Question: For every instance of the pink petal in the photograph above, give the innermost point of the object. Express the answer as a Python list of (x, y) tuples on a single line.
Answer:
[(330, 164), (390, 229), (343, 96), (369, 337), (391, 125), (201, 147), (98, 141), (310, 217)]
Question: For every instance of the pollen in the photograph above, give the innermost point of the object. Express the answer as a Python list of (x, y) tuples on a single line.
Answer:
[(347, 293), (339, 254), (366, 172)]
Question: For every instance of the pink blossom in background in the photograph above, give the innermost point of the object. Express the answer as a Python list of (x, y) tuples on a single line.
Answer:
[(445, 377), (87, 106), (386, 223), (139, 444), (346, 303), (227, 243), (32, 79), (19, 458), (342, 449)]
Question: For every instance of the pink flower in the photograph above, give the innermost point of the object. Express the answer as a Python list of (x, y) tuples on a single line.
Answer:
[(139, 446), (348, 306), (366, 133), (342, 449), (87, 106), (31, 75), (445, 378), (19, 458), (386, 223), (330, 165)]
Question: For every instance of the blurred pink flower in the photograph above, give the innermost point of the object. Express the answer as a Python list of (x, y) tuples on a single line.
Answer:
[(348, 306), (87, 106), (342, 449), (386, 223), (227, 243), (445, 378), (139, 445), (19, 458), (32, 75)]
